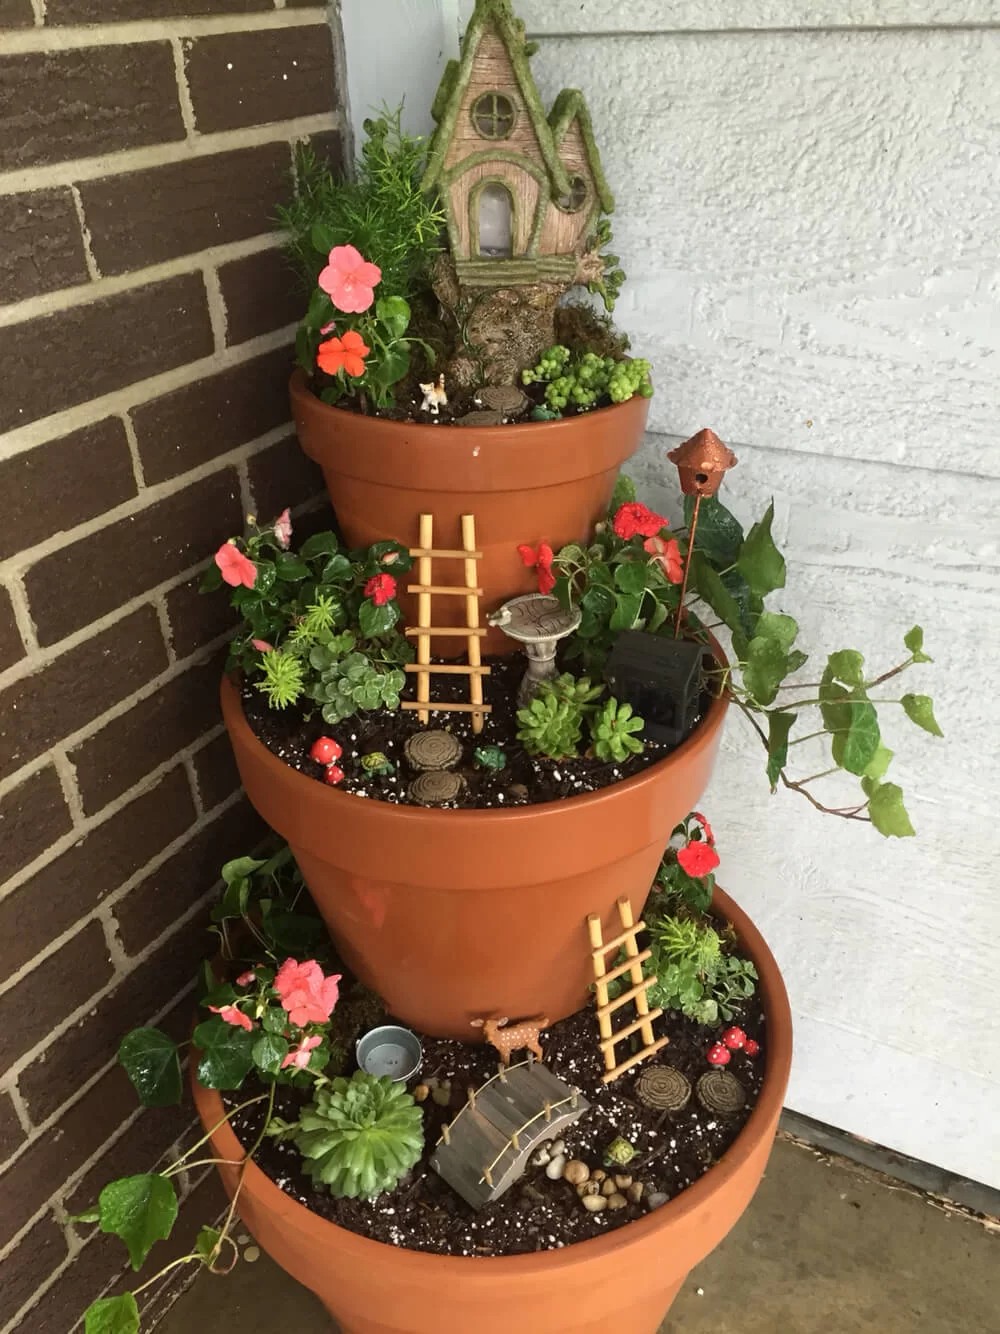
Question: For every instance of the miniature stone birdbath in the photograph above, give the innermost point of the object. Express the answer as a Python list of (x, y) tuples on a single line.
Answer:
[(537, 621)]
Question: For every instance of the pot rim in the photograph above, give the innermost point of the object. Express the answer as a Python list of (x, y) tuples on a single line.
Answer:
[(540, 1264), (702, 736)]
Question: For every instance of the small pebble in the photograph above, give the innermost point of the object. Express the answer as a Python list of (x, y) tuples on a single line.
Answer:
[(656, 1199), (576, 1172), (595, 1203), (608, 1187), (442, 1094), (598, 1175), (634, 1192), (586, 1188), (557, 1146), (623, 1182), (556, 1167), (541, 1156), (617, 1201), (421, 1093), (251, 1254)]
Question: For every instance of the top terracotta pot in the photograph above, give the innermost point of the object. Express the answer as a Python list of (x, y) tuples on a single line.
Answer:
[(543, 481)]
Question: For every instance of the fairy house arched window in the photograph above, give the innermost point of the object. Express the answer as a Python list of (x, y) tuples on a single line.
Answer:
[(522, 190)]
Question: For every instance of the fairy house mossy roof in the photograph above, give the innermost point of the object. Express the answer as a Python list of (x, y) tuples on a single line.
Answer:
[(550, 131)]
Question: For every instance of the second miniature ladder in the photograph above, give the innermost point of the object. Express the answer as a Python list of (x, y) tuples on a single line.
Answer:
[(472, 632), (599, 949)]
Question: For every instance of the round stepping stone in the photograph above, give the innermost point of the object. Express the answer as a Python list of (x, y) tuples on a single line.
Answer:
[(721, 1092), (663, 1088), (431, 751), (436, 788)]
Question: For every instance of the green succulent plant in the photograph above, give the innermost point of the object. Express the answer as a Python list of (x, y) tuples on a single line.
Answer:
[(550, 727), (575, 690), (347, 685), (613, 729), (360, 1135), (582, 379)]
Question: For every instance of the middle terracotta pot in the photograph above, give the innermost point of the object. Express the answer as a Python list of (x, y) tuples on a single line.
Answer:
[(452, 915)]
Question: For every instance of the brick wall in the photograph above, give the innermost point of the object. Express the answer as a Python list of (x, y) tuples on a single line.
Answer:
[(145, 326)]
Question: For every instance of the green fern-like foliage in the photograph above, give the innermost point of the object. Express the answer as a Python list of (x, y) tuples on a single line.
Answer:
[(284, 678), (360, 1135), (613, 732)]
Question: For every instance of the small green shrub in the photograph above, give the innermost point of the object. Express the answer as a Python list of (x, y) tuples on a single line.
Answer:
[(694, 972), (613, 732), (348, 685), (360, 1135)]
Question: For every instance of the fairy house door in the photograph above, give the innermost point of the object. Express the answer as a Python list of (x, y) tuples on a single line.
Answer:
[(493, 209)]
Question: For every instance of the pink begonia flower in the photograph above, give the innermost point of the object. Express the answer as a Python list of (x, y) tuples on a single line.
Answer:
[(305, 993), (229, 1014), (262, 646), (283, 529), (299, 1058), (246, 978), (236, 568), (349, 280)]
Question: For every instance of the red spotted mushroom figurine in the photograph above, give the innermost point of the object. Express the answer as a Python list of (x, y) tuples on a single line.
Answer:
[(734, 1038), (718, 1055), (326, 751)]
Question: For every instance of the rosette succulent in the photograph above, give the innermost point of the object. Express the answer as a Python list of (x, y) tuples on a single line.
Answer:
[(613, 729), (360, 1135)]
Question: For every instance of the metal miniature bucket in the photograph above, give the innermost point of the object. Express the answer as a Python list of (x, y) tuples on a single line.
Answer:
[(390, 1051)]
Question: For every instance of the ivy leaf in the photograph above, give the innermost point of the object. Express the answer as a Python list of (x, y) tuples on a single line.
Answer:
[(888, 812), (848, 667), (914, 641), (323, 238), (205, 1243), (796, 659), (779, 726), (833, 706), (239, 868), (624, 493), (878, 765), (377, 621), (765, 669), (920, 709), (760, 562), (626, 612), (782, 629), (394, 313), (269, 1051), (112, 1315), (151, 1062), (712, 590), (320, 311), (226, 1053), (632, 576), (141, 1210), (658, 618), (719, 533), (338, 567), (855, 749), (211, 579)]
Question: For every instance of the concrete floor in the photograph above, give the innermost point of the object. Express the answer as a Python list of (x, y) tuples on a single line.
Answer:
[(825, 1248)]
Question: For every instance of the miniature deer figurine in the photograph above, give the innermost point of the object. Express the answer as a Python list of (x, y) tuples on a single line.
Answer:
[(435, 397), (508, 1040)]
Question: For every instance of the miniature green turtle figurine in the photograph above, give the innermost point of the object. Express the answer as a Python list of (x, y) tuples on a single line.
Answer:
[(543, 413), (490, 757), (375, 764)]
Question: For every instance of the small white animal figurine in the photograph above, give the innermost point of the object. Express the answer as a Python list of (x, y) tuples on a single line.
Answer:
[(435, 397)]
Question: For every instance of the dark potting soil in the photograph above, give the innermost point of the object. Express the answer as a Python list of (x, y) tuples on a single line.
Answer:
[(526, 780), (464, 407), (423, 1213)]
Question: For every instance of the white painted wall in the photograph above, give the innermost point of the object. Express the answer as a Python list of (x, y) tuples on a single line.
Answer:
[(808, 202)]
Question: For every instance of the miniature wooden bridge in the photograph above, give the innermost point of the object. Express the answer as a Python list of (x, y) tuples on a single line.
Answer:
[(486, 1147)]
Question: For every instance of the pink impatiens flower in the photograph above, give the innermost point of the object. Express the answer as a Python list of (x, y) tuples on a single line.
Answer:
[(262, 646), (283, 529), (381, 588), (666, 554), (246, 978), (349, 280), (698, 859), (305, 993), (636, 520), (299, 1058), (229, 1014), (236, 568)]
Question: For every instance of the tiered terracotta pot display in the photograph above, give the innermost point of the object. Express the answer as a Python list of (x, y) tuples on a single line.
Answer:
[(541, 481), (624, 1281)]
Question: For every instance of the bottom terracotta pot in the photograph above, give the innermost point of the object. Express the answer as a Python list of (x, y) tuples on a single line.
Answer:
[(625, 1280)]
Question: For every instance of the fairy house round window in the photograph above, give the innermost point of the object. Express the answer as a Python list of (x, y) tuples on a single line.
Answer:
[(494, 116), (575, 198)]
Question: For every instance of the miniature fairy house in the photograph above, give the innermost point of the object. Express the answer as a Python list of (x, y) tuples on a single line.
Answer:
[(522, 191)]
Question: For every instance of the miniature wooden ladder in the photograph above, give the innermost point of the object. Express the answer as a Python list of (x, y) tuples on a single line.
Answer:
[(426, 589), (599, 948)]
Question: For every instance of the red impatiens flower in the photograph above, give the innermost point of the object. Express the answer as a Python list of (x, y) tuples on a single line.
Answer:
[(343, 354), (542, 559), (706, 827), (698, 859), (381, 588), (666, 554), (349, 280), (236, 568), (635, 520)]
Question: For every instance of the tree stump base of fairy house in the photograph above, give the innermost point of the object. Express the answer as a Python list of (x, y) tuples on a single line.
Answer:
[(486, 1148)]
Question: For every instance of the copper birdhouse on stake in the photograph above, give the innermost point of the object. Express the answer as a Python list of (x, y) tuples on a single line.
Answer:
[(701, 463)]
